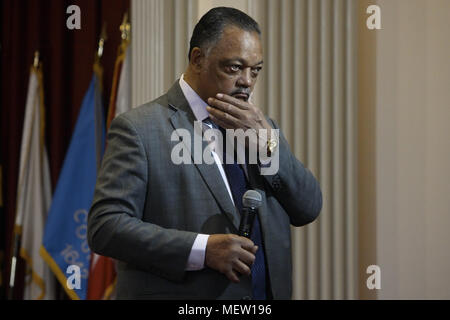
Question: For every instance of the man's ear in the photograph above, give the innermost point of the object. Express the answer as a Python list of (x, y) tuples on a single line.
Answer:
[(197, 59)]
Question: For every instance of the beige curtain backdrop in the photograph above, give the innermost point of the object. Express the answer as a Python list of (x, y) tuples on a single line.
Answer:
[(308, 86), (404, 158)]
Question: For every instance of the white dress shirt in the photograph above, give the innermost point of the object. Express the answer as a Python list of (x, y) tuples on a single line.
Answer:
[(196, 260)]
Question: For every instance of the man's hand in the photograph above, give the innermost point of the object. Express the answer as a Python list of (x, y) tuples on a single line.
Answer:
[(232, 113), (230, 254)]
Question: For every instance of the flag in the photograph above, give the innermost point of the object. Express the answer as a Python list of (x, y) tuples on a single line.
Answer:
[(34, 193), (102, 274), (65, 247), (102, 278)]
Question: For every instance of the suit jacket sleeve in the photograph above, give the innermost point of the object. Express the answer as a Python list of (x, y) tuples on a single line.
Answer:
[(294, 186), (116, 227)]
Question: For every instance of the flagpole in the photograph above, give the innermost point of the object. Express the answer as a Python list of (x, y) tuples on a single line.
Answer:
[(125, 28), (101, 42), (16, 246), (18, 228), (98, 70), (36, 59)]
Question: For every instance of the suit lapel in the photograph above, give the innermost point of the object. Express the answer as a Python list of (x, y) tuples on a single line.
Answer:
[(183, 118)]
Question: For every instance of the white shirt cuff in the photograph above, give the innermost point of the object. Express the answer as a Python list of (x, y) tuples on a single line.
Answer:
[(196, 260)]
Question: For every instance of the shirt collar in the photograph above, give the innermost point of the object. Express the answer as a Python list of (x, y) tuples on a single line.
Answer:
[(198, 106)]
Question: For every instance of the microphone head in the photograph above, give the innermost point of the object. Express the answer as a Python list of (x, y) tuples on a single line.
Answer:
[(251, 199)]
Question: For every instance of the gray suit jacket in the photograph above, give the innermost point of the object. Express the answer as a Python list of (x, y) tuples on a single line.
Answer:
[(147, 211)]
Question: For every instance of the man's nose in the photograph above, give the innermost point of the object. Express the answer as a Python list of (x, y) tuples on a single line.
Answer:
[(245, 78)]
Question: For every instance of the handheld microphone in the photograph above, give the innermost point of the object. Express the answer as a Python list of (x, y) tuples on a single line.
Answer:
[(251, 201)]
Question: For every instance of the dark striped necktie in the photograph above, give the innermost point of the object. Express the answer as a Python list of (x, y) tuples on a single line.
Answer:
[(238, 185)]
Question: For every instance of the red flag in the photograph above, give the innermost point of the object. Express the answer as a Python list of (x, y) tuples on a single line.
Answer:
[(102, 278)]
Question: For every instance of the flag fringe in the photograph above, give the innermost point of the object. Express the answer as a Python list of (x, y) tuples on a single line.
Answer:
[(109, 291), (58, 273), (34, 276)]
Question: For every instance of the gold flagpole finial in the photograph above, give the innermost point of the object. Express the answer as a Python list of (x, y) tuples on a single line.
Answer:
[(101, 42), (125, 27), (36, 59)]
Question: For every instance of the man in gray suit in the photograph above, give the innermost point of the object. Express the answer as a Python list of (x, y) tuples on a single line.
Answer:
[(173, 227)]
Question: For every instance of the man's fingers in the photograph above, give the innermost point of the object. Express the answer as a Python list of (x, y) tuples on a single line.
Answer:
[(226, 123), (226, 107), (228, 119), (241, 267), (247, 244), (220, 123), (232, 100), (247, 257), (232, 276)]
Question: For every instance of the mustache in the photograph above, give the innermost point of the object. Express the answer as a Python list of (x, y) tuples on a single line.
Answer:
[(241, 91)]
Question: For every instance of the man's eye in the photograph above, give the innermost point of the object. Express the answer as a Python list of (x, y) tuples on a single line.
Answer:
[(234, 68), (256, 71)]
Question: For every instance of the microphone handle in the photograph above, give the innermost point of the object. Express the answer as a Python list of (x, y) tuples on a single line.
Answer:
[(245, 227)]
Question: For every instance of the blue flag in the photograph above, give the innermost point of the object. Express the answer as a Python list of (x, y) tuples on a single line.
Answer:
[(65, 247)]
